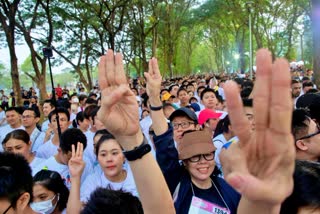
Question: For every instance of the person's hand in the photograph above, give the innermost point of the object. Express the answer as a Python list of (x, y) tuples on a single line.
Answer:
[(154, 79), (76, 163), (119, 108), (261, 165)]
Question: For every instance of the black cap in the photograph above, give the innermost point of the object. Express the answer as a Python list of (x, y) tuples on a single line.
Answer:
[(304, 101), (184, 112)]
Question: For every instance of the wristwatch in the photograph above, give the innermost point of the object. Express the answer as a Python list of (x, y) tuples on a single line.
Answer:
[(139, 151)]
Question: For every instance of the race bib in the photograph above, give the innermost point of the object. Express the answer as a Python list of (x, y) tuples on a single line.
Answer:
[(200, 206)]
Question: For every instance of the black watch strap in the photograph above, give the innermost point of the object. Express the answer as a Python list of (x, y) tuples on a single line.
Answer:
[(138, 152), (155, 108)]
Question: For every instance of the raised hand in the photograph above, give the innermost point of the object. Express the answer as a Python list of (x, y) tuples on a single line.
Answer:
[(119, 108), (154, 79), (261, 165), (76, 163)]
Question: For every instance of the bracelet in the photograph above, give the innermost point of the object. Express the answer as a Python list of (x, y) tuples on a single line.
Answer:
[(155, 108), (139, 151)]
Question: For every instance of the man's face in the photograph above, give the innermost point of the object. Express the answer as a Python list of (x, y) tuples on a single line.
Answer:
[(63, 122), (183, 97), (13, 118), (183, 124), (314, 141), (47, 109), (29, 119), (296, 89), (250, 115)]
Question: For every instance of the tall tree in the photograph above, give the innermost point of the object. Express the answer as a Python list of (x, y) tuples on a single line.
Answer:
[(316, 39), (8, 11)]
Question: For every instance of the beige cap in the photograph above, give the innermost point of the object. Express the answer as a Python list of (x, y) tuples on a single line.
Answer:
[(195, 143)]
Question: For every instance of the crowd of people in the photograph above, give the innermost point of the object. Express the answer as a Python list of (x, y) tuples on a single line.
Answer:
[(197, 144)]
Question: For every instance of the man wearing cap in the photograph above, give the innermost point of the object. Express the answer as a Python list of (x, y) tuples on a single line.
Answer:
[(193, 180)]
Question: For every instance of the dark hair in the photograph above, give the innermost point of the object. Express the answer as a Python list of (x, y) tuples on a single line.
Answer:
[(103, 138), (300, 123), (245, 93), (82, 97), (50, 101), (59, 110), (222, 126), (247, 102), (206, 90), (72, 137), (171, 87), (306, 189), (115, 201), (80, 117), (18, 134), (35, 111), (15, 177), (199, 88), (312, 91), (91, 101), (181, 89), (52, 181), (294, 81), (307, 84), (16, 109), (101, 132)]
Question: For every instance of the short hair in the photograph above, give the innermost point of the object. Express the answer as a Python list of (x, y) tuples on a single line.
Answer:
[(57, 111), (171, 87), (207, 90), (247, 102), (50, 101), (300, 123), (35, 111), (307, 84), (18, 134), (101, 132), (245, 93), (102, 139), (306, 188), (181, 89), (294, 81), (52, 181), (115, 201), (71, 137), (15, 177), (16, 109), (90, 111), (82, 97), (79, 117), (91, 101), (199, 88)]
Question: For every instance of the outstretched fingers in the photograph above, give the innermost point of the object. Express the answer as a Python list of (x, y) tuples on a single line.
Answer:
[(239, 121), (120, 76)]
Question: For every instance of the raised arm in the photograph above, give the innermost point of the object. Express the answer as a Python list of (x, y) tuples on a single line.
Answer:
[(76, 166), (261, 165), (119, 114), (153, 76)]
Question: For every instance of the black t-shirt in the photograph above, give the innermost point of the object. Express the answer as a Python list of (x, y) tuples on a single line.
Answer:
[(210, 195), (26, 102)]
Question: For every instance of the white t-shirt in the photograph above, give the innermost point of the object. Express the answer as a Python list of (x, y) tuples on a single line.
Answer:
[(98, 179), (53, 165), (89, 151), (47, 150), (3, 118), (45, 125), (35, 165), (4, 131)]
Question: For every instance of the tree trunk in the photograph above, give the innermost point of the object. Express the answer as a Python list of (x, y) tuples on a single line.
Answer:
[(316, 40)]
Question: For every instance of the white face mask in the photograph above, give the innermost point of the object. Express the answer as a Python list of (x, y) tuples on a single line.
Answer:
[(44, 207)]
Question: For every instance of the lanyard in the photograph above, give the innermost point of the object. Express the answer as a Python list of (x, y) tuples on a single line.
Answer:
[(217, 191)]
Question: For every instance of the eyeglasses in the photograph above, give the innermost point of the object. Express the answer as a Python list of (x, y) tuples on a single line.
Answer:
[(196, 158), (183, 125), (310, 135), (7, 209)]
